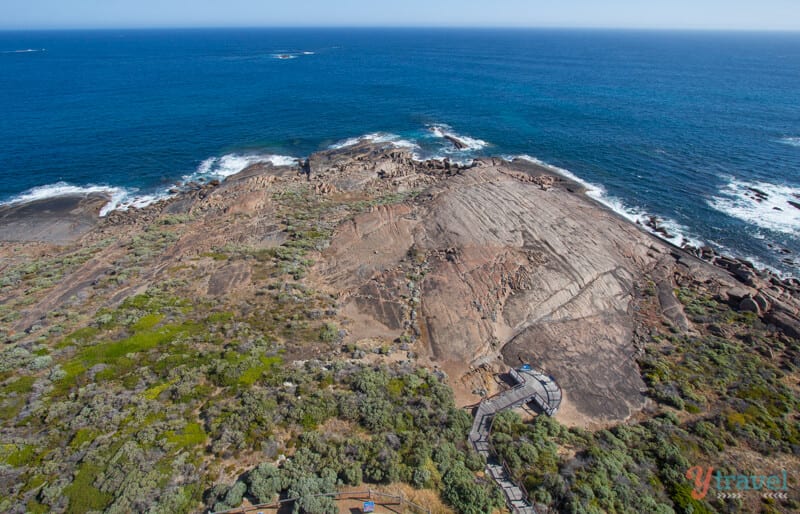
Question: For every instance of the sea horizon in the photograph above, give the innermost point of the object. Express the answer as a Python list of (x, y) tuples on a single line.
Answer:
[(588, 28)]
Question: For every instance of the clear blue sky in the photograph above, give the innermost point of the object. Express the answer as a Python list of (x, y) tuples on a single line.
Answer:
[(691, 14)]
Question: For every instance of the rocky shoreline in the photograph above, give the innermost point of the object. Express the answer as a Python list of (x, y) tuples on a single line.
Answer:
[(463, 268), (60, 219)]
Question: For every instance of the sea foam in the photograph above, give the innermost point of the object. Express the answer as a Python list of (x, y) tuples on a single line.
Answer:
[(122, 199), (376, 137), (60, 189), (231, 164), (681, 234), (291, 55), (119, 198), (470, 144), (127, 199), (791, 141), (25, 51), (774, 207)]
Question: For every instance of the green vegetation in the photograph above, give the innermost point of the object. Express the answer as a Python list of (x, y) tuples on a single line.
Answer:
[(20, 284), (735, 375), (17, 455), (41, 273), (143, 405), (162, 401), (418, 438), (190, 436), (730, 394), (83, 495), (83, 436), (134, 403)]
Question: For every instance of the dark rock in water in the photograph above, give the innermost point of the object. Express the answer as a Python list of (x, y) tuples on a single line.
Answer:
[(794, 204), (655, 224), (777, 209), (456, 142), (759, 195), (704, 252)]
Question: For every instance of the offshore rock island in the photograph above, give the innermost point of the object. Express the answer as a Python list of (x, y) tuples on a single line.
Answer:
[(301, 330)]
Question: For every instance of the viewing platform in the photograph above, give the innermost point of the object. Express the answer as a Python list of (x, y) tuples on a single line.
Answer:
[(531, 386)]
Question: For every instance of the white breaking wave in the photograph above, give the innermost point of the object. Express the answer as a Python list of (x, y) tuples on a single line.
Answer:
[(593, 190), (770, 206), (290, 55), (465, 161), (376, 137), (126, 200), (119, 198), (61, 189), (439, 131), (26, 51), (633, 214), (122, 199), (470, 144), (755, 261), (791, 141), (231, 164)]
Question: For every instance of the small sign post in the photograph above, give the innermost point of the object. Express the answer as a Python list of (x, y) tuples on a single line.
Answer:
[(368, 507)]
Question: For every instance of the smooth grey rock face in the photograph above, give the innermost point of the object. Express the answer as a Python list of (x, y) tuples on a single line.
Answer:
[(560, 272), (54, 220), (542, 275)]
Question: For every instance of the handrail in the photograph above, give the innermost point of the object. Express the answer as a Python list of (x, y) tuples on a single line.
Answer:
[(549, 399)]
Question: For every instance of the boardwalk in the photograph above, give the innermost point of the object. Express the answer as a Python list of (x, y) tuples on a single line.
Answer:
[(531, 386)]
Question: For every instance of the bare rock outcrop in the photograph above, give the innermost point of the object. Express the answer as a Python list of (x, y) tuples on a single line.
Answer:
[(53, 220), (230, 277), (511, 269), (461, 266)]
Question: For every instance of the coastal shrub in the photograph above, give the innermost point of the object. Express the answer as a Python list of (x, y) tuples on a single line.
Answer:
[(417, 437), (143, 404), (191, 435), (329, 333), (734, 395), (461, 490), (81, 493)]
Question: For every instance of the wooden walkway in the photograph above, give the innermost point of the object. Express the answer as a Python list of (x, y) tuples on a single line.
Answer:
[(531, 386)]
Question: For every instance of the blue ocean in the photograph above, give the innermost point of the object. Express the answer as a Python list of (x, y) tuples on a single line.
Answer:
[(701, 129)]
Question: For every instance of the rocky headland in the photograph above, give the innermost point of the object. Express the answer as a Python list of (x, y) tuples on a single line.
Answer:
[(464, 269)]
